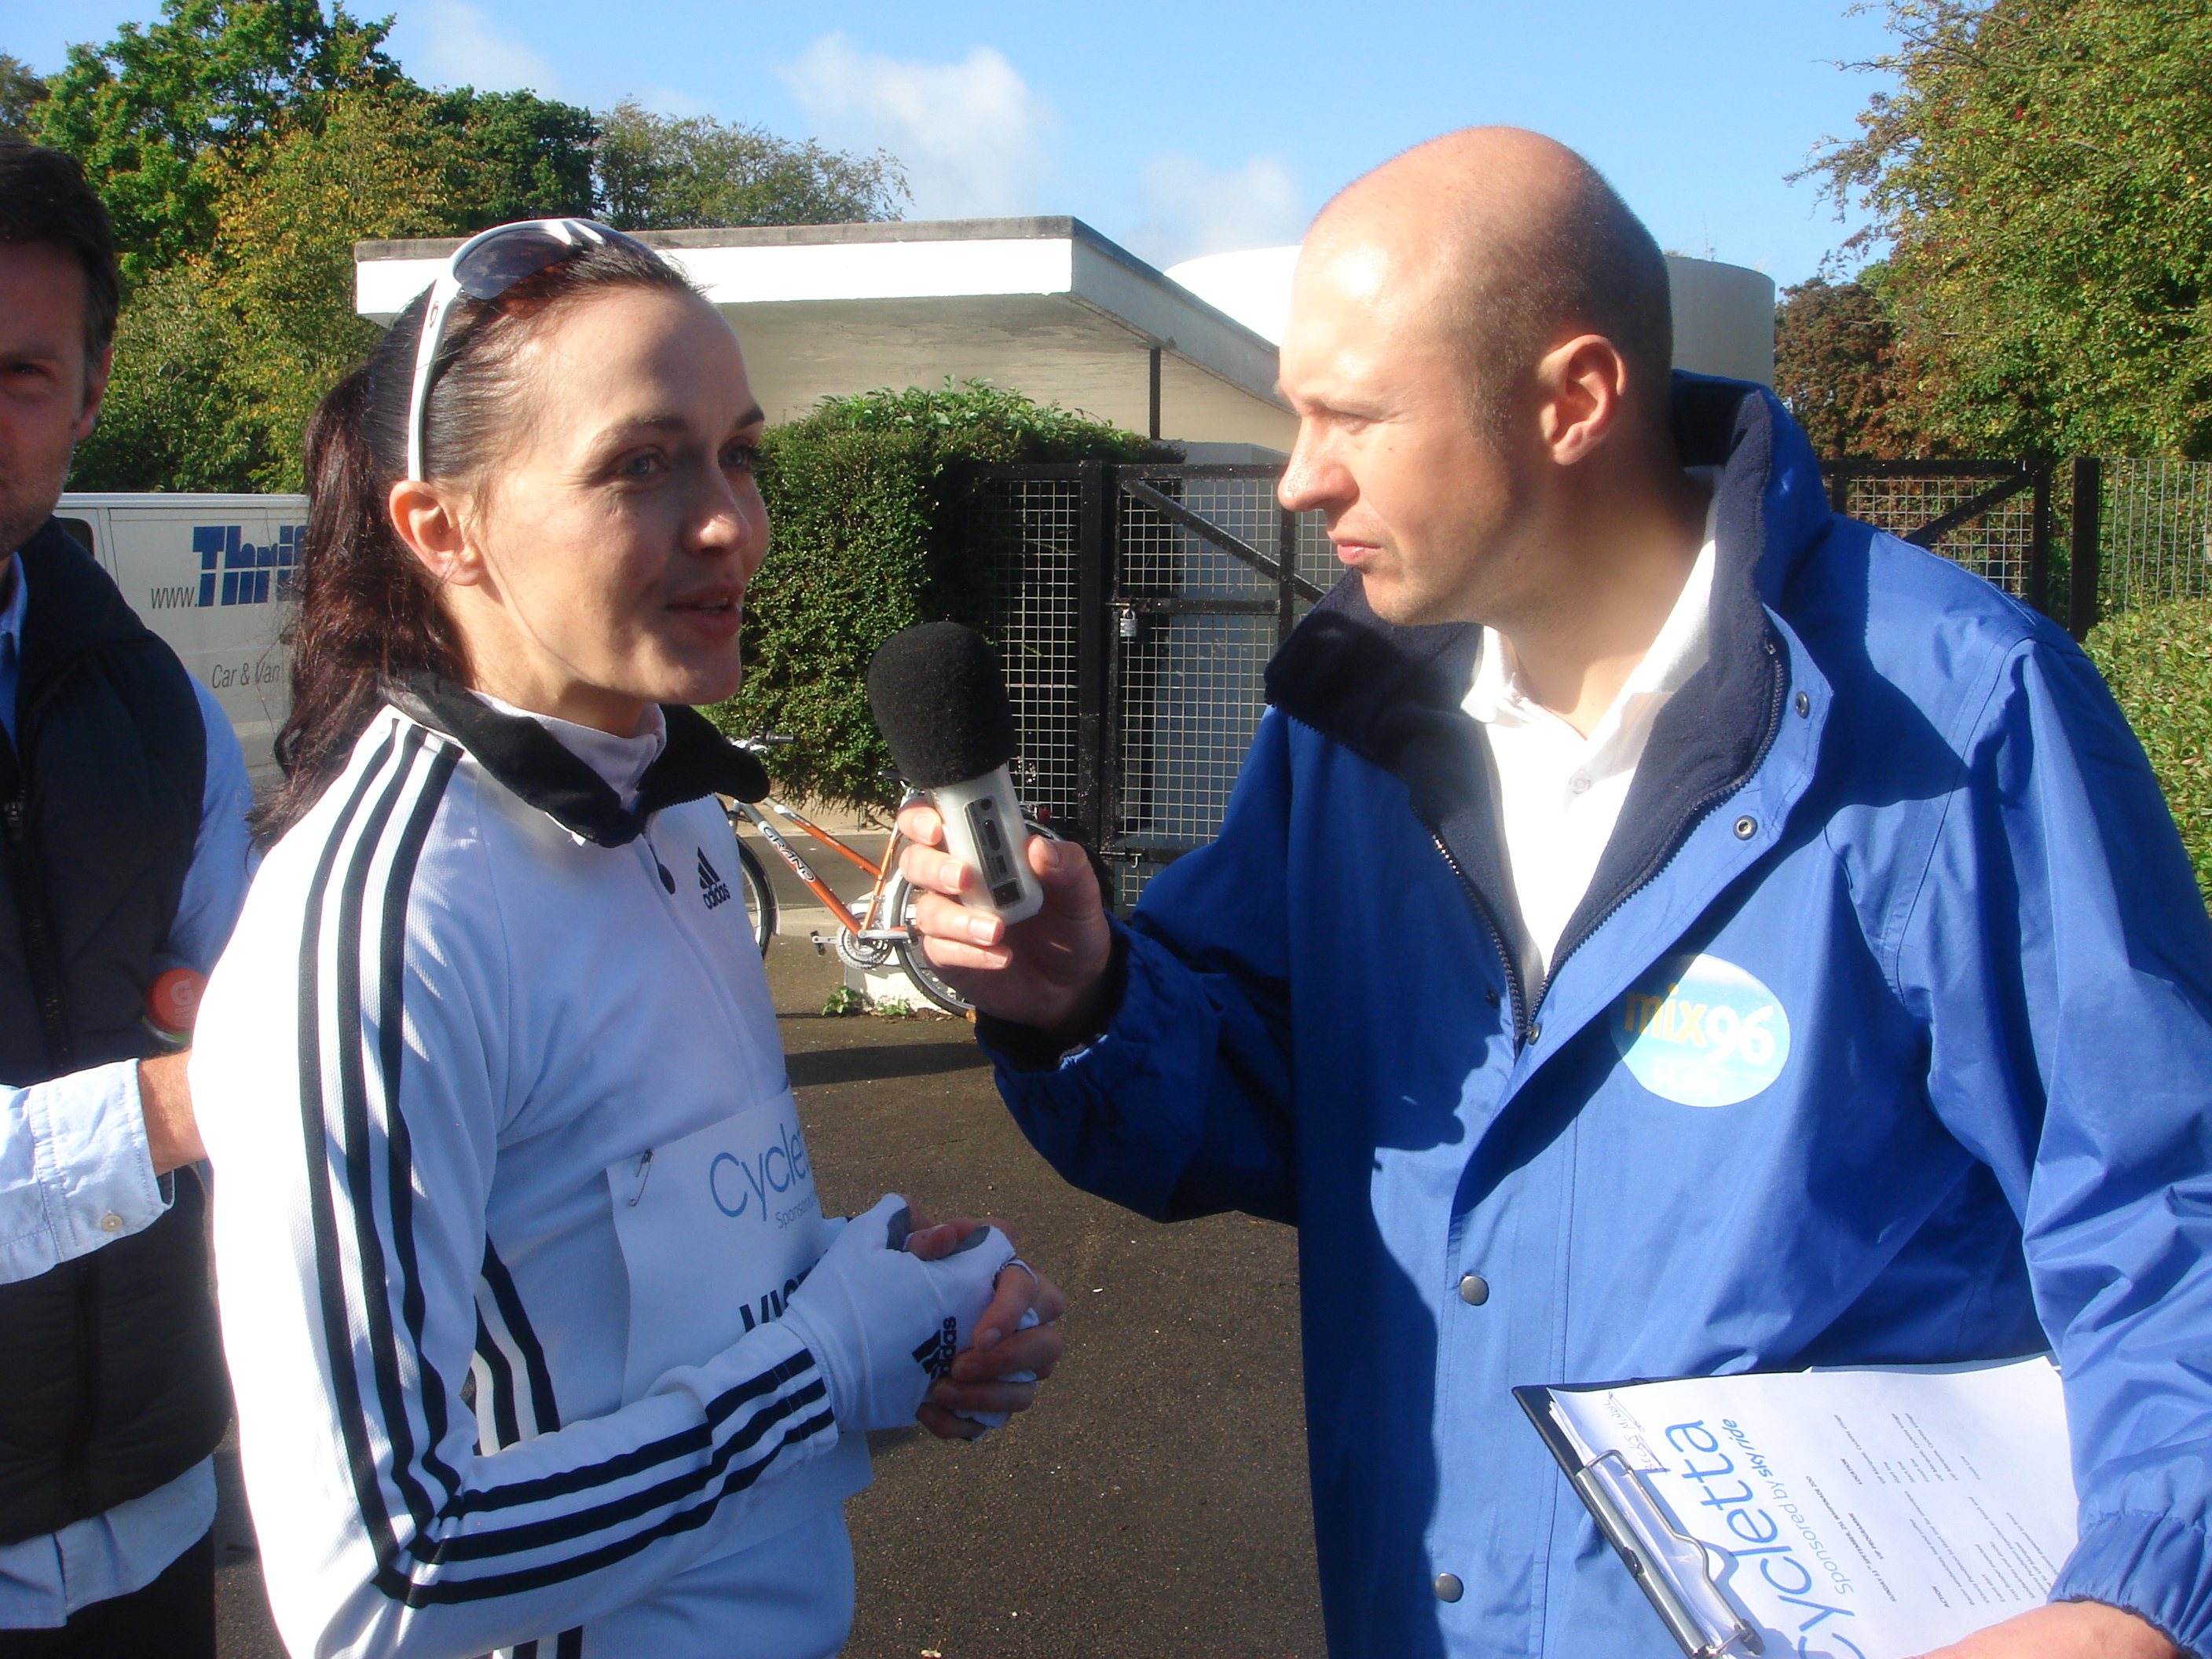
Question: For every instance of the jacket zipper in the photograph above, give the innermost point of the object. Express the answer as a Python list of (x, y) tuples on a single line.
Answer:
[(1513, 989), (1524, 1014)]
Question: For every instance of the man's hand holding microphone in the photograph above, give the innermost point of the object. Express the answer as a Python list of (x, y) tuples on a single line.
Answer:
[(1037, 957)]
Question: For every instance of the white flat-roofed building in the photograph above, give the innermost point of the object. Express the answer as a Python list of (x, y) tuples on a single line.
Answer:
[(1047, 305)]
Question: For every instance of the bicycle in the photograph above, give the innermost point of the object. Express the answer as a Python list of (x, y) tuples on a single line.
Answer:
[(872, 931)]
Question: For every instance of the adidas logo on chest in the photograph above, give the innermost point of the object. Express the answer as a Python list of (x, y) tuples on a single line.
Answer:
[(712, 888)]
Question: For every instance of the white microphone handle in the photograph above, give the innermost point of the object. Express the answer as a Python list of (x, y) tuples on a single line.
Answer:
[(983, 828)]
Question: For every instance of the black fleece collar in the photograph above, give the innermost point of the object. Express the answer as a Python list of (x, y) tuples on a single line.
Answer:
[(697, 760), (1392, 695)]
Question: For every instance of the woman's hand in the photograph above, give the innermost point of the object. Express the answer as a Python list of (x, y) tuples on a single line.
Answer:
[(1000, 1350)]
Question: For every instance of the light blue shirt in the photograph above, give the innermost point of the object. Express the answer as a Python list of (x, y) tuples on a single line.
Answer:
[(76, 1173)]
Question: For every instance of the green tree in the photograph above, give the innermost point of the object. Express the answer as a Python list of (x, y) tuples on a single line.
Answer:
[(222, 356), (373, 167), (21, 89), (157, 112), (1839, 368), (2041, 176), (519, 156), (243, 146), (176, 417), (2158, 661), (676, 172)]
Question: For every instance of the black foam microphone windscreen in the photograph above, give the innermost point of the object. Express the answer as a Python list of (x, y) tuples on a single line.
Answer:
[(939, 699)]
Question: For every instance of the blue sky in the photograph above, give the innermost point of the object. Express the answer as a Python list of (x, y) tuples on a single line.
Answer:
[(1187, 129)]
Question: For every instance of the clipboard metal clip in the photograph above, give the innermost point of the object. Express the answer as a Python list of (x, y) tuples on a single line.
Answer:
[(1673, 1569)]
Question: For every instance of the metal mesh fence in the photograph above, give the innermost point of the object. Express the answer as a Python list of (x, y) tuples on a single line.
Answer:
[(1200, 624), (1997, 545), (1317, 560), (1162, 560), (1192, 694), (1193, 627), (2156, 540), (1034, 525)]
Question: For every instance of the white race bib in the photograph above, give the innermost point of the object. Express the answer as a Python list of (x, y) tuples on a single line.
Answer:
[(715, 1230)]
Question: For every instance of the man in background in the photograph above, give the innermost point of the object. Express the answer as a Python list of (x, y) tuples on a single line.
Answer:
[(122, 850), (1611, 714)]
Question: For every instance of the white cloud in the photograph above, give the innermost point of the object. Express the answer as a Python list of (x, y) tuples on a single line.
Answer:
[(972, 134), (1185, 208), (667, 100), (465, 48)]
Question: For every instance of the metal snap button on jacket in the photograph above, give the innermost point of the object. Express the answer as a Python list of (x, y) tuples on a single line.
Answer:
[(1474, 1290), (1449, 1588)]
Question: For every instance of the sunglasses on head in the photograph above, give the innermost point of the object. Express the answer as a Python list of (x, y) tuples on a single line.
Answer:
[(484, 267)]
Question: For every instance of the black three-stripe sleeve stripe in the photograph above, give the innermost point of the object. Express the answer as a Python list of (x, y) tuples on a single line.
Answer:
[(330, 1269), (544, 1414), (386, 817), (358, 1139), (496, 1392)]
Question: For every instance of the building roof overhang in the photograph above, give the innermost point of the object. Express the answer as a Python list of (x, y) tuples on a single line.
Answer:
[(1046, 305)]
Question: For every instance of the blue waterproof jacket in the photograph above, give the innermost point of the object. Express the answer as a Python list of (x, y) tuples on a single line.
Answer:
[(1884, 1034)]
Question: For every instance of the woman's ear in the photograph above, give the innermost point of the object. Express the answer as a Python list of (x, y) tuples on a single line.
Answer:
[(428, 521)]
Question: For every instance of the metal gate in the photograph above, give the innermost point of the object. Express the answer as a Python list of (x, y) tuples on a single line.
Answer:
[(1992, 517), (1139, 607)]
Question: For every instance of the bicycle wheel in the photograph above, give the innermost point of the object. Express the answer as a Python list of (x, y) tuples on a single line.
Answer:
[(913, 960), (760, 897)]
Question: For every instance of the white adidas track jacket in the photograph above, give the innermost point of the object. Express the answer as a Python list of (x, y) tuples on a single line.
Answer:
[(504, 1380)]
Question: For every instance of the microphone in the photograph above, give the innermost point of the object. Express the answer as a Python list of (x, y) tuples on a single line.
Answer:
[(940, 702)]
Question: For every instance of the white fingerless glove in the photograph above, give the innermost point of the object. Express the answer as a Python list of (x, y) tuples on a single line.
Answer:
[(884, 1325), (989, 1420)]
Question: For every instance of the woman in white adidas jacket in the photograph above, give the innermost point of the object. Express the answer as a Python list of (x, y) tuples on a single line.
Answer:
[(536, 1344)]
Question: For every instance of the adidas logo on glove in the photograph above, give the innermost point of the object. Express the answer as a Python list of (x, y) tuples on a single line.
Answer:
[(935, 1356)]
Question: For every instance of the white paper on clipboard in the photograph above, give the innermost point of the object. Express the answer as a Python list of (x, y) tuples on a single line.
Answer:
[(1852, 1514)]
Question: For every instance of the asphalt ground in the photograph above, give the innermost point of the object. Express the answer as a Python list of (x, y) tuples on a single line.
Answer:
[(1154, 1502)]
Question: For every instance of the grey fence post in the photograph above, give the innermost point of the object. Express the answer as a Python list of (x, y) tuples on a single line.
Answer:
[(1094, 625), (2085, 556)]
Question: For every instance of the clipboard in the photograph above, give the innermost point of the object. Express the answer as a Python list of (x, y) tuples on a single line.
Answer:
[(1881, 1510), (1674, 1570)]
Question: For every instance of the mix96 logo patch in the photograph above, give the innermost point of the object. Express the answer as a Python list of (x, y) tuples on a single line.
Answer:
[(1700, 1031)]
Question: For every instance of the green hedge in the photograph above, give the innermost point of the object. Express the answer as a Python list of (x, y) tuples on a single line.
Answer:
[(872, 500), (2158, 661)]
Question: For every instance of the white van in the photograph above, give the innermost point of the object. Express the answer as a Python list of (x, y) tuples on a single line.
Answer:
[(211, 575)]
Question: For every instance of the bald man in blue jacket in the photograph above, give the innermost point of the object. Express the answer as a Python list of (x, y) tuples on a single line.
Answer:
[(1663, 927)]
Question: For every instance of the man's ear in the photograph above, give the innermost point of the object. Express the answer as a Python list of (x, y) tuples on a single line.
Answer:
[(1582, 388), (96, 371), (427, 520)]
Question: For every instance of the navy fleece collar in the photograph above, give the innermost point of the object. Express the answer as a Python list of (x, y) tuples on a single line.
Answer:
[(535, 765)]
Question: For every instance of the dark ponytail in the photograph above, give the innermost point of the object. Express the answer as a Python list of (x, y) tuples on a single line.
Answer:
[(368, 612)]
